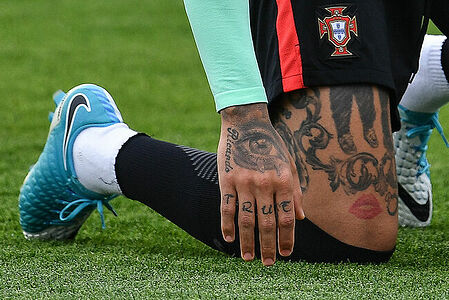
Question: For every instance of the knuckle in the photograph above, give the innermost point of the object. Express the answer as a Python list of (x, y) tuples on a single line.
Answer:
[(245, 180), (286, 222), (267, 225), (228, 211), (285, 180), (246, 222), (264, 182)]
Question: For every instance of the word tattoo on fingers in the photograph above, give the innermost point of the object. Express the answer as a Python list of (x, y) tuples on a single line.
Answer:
[(268, 211), (246, 206), (285, 206), (227, 197), (233, 135)]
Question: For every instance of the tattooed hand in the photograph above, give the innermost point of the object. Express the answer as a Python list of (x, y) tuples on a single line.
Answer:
[(257, 178)]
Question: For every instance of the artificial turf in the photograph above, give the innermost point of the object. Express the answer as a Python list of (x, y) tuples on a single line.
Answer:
[(144, 54)]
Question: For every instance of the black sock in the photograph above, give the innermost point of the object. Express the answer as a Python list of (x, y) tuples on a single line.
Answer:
[(445, 58), (178, 182), (181, 184)]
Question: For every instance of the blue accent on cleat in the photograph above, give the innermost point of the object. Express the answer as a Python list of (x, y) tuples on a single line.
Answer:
[(421, 125), (53, 204), (58, 96)]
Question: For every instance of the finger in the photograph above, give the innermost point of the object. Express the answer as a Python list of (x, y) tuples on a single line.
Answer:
[(297, 201), (246, 220), (267, 228), (286, 221), (297, 194), (228, 200)]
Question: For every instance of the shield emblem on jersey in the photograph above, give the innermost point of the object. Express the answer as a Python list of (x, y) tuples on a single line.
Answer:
[(338, 28)]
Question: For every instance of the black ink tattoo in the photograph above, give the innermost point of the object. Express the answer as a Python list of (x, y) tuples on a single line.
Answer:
[(285, 205), (227, 197), (233, 135), (364, 97), (270, 210), (246, 206), (258, 148), (286, 113), (341, 106), (293, 149), (353, 174), (341, 99), (386, 130), (392, 204), (387, 174)]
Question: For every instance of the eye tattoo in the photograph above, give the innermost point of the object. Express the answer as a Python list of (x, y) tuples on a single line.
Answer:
[(258, 150)]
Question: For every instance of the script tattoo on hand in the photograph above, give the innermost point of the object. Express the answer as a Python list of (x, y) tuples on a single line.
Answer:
[(232, 136), (258, 148)]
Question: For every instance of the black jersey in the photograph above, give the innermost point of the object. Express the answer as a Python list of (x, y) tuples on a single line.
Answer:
[(303, 43)]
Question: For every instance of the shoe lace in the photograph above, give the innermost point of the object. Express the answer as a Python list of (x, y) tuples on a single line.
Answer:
[(424, 132), (81, 204)]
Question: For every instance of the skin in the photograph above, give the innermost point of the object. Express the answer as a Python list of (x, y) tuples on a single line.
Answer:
[(352, 195), (256, 171), (297, 164)]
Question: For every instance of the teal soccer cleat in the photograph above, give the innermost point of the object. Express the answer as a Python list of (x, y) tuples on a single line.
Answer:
[(52, 202), (415, 189)]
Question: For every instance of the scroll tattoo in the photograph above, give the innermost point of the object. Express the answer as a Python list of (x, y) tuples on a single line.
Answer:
[(353, 174)]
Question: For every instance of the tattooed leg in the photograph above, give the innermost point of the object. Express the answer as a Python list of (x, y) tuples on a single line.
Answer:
[(350, 190), (365, 102), (341, 104), (388, 143), (294, 151)]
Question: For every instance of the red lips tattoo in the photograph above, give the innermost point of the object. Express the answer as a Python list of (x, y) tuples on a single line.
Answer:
[(366, 207)]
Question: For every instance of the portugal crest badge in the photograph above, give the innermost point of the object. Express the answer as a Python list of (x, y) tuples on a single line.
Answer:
[(338, 28)]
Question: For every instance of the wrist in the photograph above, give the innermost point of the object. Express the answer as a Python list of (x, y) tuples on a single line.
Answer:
[(244, 113)]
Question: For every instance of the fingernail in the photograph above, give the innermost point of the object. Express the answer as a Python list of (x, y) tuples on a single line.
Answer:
[(228, 239), (268, 261), (247, 256), (286, 252)]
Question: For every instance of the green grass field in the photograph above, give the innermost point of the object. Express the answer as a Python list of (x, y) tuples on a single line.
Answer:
[(144, 54)]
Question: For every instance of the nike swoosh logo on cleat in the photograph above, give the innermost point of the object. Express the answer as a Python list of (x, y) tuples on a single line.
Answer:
[(420, 211), (77, 101)]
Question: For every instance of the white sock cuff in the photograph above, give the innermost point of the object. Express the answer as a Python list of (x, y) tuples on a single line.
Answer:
[(429, 90), (94, 153), (431, 57)]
